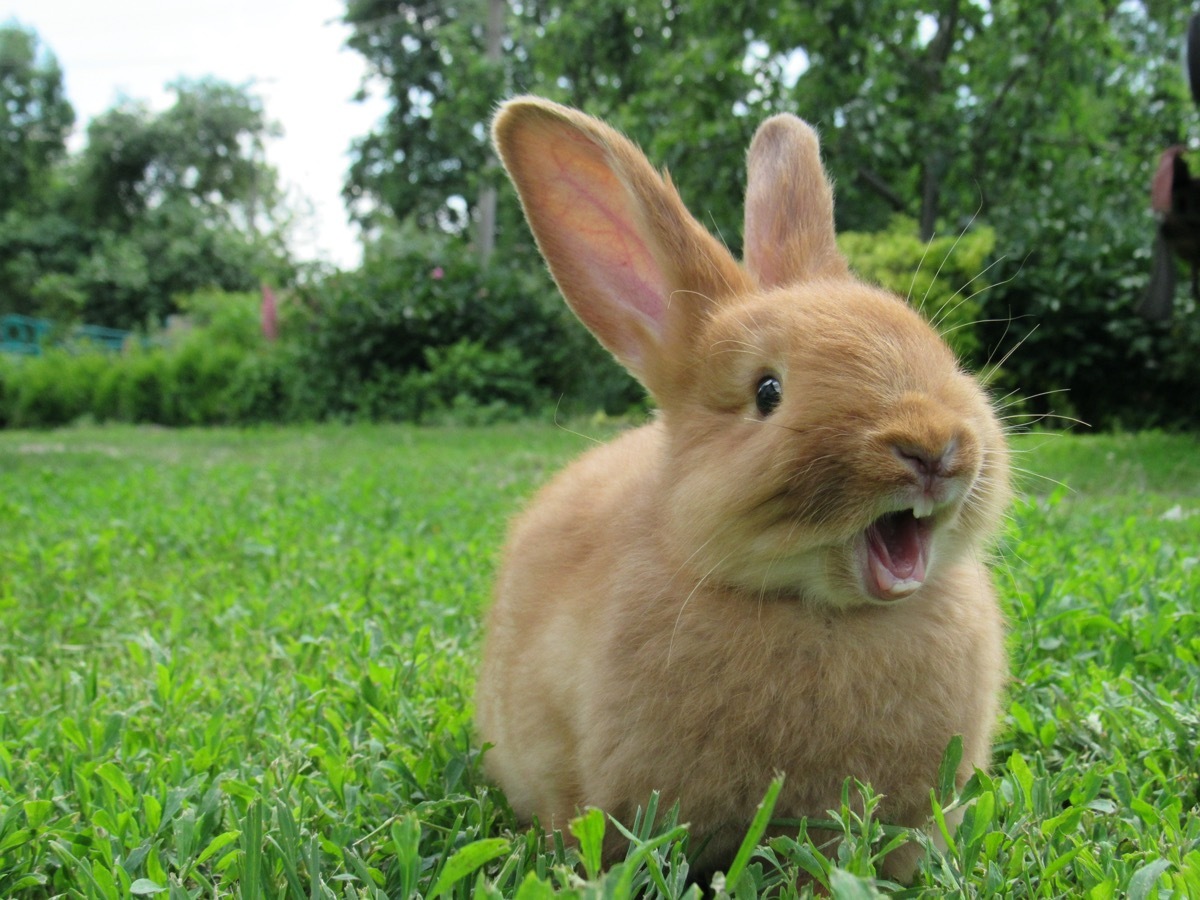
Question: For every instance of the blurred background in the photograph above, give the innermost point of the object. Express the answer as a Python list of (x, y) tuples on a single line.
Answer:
[(234, 213)]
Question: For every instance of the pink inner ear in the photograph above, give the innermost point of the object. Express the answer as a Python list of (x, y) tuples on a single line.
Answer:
[(789, 232), (592, 237), (613, 252)]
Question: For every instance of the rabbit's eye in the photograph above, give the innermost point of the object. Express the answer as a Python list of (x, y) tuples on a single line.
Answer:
[(769, 395)]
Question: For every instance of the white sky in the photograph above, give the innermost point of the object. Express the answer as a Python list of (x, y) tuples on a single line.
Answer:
[(291, 51)]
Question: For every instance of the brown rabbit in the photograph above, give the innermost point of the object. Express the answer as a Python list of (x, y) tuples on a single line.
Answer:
[(784, 571)]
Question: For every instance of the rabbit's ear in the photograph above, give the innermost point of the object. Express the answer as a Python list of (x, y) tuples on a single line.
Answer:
[(630, 260), (789, 235)]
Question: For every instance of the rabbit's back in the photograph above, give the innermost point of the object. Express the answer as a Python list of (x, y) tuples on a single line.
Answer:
[(554, 597)]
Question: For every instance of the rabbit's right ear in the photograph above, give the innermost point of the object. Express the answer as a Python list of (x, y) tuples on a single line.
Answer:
[(633, 264), (789, 233)]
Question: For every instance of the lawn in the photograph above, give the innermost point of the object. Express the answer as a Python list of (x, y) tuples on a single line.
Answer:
[(240, 663)]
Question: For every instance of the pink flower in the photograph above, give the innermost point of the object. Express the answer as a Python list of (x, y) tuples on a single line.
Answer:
[(437, 273), (270, 313)]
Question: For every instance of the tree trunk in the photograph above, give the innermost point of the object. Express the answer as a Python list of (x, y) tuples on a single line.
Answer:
[(932, 170), (486, 237), (933, 167)]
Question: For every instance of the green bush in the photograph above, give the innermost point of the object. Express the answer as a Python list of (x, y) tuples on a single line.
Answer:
[(373, 335), (1068, 282), (205, 356), (201, 376), (7, 377), (942, 277), (468, 383), (187, 376), (105, 397), (223, 317), (145, 388), (53, 389), (269, 385)]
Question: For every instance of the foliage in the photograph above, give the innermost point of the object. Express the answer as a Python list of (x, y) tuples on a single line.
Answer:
[(879, 79), (421, 311), (35, 117), (155, 206), (207, 148), (942, 277), (1069, 278), (624, 60), (434, 148), (466, 382), (181, 378), (51, 389), (224, 318), (1040, 122), (240, 663), (421, 333)]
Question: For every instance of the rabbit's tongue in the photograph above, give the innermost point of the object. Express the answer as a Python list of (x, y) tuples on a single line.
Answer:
[(897, 550)]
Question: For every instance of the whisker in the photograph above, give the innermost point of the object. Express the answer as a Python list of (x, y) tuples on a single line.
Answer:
[(988, 376), (1029, 473), (974, 322), (679, 616), (1024, 399), (559, 425), (950, 253), (943, 313), (1037, 417), (912, 284)]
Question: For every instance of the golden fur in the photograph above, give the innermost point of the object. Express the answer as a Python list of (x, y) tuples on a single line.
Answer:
[(684, 609)]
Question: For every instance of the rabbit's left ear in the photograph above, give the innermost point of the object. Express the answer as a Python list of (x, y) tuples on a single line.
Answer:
[(789, 234), (631, 261)]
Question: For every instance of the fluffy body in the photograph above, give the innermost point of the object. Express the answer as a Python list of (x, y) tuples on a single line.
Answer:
[(717, 597)]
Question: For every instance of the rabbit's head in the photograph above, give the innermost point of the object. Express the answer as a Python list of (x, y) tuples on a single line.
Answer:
[(821, 439)]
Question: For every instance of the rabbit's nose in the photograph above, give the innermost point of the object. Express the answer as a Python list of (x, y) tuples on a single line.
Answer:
[(928, 462)]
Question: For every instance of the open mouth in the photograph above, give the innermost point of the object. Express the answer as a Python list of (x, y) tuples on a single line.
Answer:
[(897, 554)]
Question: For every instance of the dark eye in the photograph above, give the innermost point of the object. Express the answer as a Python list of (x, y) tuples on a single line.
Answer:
[(769, 395)]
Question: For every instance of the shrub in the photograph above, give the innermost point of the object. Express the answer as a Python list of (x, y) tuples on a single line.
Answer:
[(225, 318), (370, 336), (1070, 276), (199, 376), (53, 389), (145, 388), (467, 382), (7, 377), (273, 383), (941, 277)]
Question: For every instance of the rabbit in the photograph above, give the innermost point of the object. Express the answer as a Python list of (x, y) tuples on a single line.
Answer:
[(785, 570)]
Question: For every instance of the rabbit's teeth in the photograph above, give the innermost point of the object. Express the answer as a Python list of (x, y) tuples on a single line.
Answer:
[(897, 552), (923, 508), (890, 587)]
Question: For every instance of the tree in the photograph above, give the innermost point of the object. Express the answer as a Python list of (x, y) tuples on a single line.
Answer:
[(184, 199), (632, 61), (35, 118), (941, 110), (207, 150), (423, 163), (929, 110), (1042, 121), (156, 205)]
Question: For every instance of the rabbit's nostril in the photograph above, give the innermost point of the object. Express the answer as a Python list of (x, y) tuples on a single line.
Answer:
[(927, 461)]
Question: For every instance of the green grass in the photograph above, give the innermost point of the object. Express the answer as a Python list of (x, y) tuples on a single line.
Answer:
[(240, 663)]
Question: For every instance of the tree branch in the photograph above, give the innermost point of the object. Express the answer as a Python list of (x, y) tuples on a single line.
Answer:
[(875, 181)]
